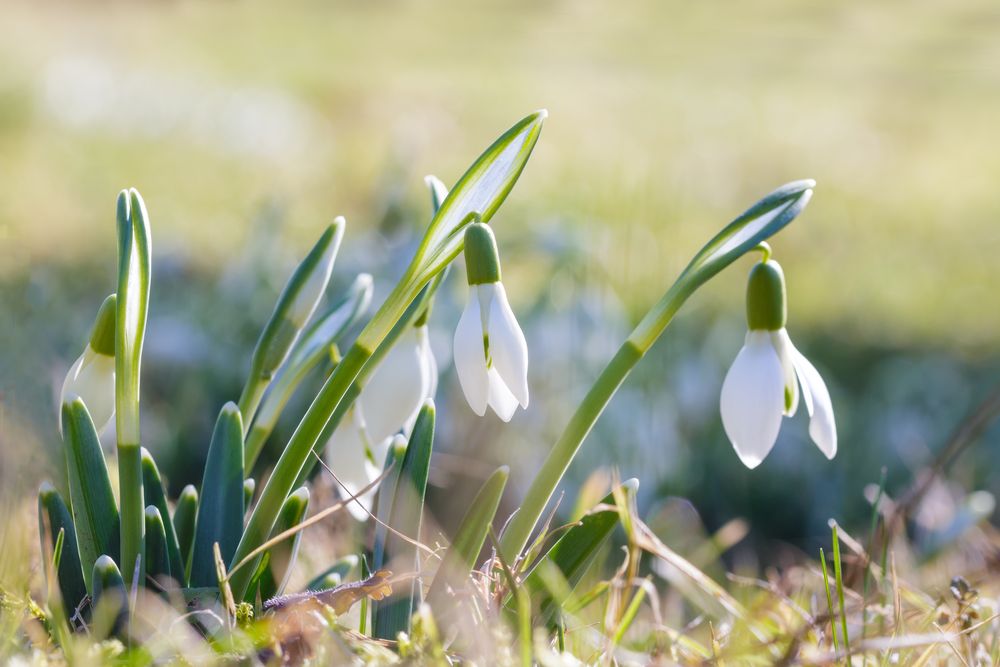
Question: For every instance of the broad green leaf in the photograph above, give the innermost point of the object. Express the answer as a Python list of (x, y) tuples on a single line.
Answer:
[(392, 616), (95, 511), (155, 495), (110, 600), (470, 536), (157, 557), (220, 512), (185, 519), (54, 516)]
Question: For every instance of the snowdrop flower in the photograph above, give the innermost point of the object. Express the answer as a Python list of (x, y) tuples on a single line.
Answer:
[(388, 403), (356, 461), (92, 375), (491, 355), (763, 383)]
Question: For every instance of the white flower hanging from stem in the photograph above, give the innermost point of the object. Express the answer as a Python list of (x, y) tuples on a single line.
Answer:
[(491, 354), (763, 383), (92, 375)]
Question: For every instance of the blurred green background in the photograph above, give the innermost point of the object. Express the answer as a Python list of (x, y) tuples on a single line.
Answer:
[(248, 125)]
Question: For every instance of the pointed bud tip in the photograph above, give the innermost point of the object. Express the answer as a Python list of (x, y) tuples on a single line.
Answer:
[(301, 494), (189, 492), (153, 514), (541, 114), (631, 484)]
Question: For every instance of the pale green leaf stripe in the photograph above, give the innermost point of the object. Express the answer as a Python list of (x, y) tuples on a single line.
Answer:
[(392, 616), (472, 188), (777, 209), (152, 485), (53, 515), (281, 557), (470, 536), (185, 518), (95, 513), (220, 512), (157, 558)]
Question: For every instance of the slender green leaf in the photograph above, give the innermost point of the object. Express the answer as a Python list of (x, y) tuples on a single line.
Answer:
[(156, 496), (54, 516), (308, 353), (281, 557), (470, 536), (295, 306), (134, 257), (95, 512), (185, 519), (157, 556), (220, 512), (393, 616)]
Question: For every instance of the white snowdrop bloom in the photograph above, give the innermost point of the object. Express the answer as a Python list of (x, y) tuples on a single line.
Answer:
[(92, 375), (763, 383), (356, 461), (491, 354), (388, 403), (392, 396)]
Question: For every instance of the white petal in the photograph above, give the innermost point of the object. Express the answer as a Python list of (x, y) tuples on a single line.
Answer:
[(508, 348), (395, 391), (470, 355), (783, 346), (752, 399), (92, 378), (822, 427), (345, 454), (501, 399), (428, 361)]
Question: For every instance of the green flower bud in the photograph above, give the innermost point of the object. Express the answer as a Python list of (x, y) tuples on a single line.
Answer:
[(102, 336), (482, 259), (767, 308)]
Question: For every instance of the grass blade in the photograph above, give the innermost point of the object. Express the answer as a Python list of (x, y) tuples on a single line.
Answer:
[(573, 553), (185, 520), (829, 602), (220, 512), (470, 536), (152, 486), (54, 517), (95, 512)]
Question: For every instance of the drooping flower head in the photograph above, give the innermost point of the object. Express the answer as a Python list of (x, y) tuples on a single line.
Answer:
[(491, 354), (92, 375), (763, 383)]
